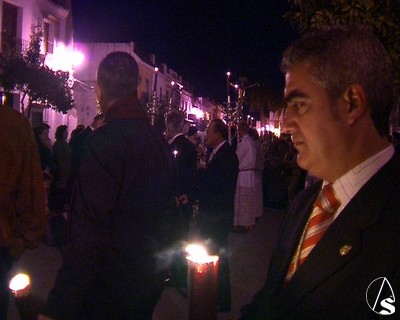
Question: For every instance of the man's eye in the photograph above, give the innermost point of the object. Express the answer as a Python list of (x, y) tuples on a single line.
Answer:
[(297, 105)]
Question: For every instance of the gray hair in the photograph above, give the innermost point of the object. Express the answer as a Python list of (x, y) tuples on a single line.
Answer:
[(345, 55)]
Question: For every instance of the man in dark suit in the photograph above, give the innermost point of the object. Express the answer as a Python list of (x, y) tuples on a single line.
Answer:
[(216, 185), (184, 157), (339, 90), (77, 146)]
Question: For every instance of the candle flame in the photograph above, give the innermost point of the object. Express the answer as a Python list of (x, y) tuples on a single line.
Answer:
[(19, 282), (199, 254)]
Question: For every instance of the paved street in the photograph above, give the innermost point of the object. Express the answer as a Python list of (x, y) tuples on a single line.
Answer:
[(249, 259)]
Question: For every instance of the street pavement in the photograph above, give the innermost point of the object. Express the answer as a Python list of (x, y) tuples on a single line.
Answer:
[(249, 258)]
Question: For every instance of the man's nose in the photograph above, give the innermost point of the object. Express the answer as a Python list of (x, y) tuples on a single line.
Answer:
[(287, 123)]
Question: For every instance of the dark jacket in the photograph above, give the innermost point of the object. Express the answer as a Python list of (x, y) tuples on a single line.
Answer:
[(22, 202), (77, 145), (332, 283), (185, 161), (216, 185), (118, 209)]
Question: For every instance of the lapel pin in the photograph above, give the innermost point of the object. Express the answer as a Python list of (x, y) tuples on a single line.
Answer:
[(345, 250)]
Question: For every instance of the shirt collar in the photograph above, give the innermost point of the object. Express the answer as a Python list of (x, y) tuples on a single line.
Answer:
[(171, 141), (350, 183), (215, 150)]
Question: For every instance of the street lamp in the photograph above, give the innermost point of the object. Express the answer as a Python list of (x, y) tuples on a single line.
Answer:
[(228, 97), (155, 79)]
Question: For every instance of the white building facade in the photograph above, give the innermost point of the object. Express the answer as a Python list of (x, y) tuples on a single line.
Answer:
[(19, 17)]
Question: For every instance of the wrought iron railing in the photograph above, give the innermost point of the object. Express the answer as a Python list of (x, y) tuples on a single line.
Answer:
[(10, 43)]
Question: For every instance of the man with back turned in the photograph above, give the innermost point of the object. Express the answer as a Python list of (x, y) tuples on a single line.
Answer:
[(110, 269)]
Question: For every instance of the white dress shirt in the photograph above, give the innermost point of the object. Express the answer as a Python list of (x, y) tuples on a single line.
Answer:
[(350, 183)]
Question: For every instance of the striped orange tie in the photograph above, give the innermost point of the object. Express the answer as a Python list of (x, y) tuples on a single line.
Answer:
[(321, 217)]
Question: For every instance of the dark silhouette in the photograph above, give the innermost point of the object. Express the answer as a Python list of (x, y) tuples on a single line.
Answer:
[(118, 209)]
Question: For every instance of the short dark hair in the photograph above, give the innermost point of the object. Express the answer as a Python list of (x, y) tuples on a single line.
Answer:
[(244, 127), (254, 134), (345, 55), (60, 132), (174, 121), (39, 130), (192, 131), (221, 128), (117, 75)]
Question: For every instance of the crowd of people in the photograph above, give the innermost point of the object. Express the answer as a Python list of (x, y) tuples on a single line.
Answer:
[(130, 192)]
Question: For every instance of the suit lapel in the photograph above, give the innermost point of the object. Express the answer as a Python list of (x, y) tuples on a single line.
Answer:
[(218, 154), (292, 227), (343, 240)]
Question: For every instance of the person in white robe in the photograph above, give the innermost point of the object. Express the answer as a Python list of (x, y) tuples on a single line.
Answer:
[(246, 195)]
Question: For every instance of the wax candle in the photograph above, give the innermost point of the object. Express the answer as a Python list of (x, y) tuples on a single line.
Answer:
[(202, 283), (20, 288)]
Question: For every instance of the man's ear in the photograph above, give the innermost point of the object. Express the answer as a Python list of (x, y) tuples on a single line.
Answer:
[(355, 102)]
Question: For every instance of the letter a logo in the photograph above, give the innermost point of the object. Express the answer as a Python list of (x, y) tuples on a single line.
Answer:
[(380, 296)]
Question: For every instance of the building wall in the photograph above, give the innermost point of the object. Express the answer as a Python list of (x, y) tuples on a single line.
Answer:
[(30, 13)]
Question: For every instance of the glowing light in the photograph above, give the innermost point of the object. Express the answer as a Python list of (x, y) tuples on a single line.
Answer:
[(198, 254), (77, 58), (198, 113), (172, 83), (64, 59), (19, 282), (156, 69), (228, 74), (175, 152)]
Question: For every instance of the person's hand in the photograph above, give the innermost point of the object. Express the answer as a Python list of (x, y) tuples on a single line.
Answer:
[(183, 199), (201, 164), (201, 151)]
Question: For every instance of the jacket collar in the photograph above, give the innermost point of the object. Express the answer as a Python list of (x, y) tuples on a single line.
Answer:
[(125, 109)]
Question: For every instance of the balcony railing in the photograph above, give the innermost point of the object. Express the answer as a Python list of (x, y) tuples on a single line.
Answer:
[(11, 43)]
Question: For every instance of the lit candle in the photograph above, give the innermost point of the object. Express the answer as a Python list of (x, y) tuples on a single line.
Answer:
[(155, 79), (175, 153), (202, 283), (20, 288), (237, 92)]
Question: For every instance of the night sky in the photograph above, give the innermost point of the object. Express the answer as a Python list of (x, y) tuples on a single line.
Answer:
[(201, 40)]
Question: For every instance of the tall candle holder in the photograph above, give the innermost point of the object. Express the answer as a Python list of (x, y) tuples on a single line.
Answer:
[(155, 79), (153, 107), (202, 277)]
